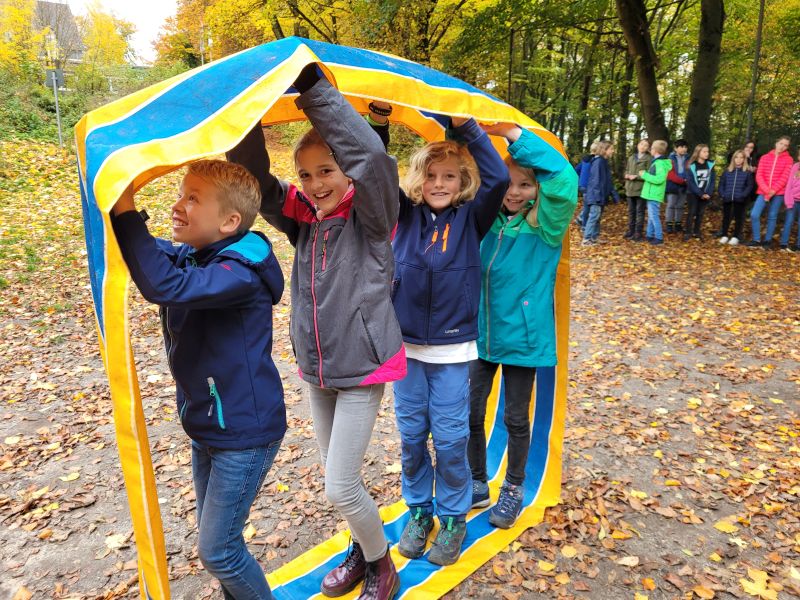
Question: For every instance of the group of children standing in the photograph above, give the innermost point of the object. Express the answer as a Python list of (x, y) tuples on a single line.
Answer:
[(687, 184), (433, 286)]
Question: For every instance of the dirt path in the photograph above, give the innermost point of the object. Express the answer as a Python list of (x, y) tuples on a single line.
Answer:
[(684, 387)]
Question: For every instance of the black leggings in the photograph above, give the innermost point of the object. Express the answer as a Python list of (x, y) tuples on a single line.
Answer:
[(518, 388), (736, 211), (694, 215)]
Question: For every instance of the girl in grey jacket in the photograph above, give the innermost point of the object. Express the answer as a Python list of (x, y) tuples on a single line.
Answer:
[(343, 327)]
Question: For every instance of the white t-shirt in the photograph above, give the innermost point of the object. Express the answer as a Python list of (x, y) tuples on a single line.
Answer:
[(444, 354)]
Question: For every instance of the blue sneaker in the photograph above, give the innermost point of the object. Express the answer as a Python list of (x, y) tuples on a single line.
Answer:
[(480, 494), (504, 514)]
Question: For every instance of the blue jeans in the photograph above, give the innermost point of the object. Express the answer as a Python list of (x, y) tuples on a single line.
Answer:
[(584, 214), (434, 399), (654, 220), (772, 216), (792, 215), (591, 228), (226, 483)]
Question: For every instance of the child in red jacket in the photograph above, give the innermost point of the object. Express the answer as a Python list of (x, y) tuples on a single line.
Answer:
[(771, 177)]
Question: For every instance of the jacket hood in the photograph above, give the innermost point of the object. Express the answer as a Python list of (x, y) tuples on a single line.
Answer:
[(254, 250)]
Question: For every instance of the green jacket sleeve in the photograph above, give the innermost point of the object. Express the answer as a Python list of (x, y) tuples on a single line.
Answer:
[(660, 176), (558, 185)]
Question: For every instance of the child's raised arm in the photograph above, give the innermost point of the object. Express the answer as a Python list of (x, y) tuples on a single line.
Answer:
[(492, 169), (358, 151), (252, 154), (558, 181)]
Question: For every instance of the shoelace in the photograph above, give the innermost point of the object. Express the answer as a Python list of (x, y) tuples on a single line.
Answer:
[(507, 501), (415, 525), (371, 580), (446, 534), (353, 557)]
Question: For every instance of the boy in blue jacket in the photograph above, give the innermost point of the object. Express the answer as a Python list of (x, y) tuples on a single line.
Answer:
[(216, 291)]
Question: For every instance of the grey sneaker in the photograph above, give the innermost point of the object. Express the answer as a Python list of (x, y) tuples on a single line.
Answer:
[(480, 494), (415, 535), (504, 514), (447, 546)]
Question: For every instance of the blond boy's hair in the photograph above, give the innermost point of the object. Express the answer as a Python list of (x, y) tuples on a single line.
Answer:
[(659, 147), (438, 152), (237, 189), (532, 213)]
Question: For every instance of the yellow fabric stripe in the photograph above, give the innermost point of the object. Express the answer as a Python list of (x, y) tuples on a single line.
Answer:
[(129, 422)]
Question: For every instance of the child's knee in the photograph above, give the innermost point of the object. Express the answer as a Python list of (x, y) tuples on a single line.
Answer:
[(220, 557), (451, 464), (345, 496), (413, 453)]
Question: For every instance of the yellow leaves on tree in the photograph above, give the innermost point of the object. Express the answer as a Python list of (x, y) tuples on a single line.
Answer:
[(107, 44), (20, 40)]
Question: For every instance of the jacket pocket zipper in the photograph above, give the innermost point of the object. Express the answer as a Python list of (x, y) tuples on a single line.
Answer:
[(215, 400)]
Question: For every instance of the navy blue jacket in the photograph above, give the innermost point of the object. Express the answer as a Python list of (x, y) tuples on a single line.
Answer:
[(216, 315), (437, 285), (691, 180), (600, 186), (582, 169), (736, 185)]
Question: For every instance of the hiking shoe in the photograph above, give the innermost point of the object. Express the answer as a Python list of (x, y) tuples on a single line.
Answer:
[(480, 494), (723, 239), (415, 535), (447, 546), (753, 244), (656, 241), (587, 243), (734, 241), (347, 575), (504, 514)]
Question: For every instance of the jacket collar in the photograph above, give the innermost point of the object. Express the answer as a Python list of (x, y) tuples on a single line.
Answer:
[(205, 254)]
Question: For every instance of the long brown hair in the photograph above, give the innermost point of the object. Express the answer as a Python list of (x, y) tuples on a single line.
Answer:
[(696, 153)]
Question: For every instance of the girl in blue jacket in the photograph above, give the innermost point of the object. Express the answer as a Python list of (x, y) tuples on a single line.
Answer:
[(700, 184), (519, 258), (735, 188), (445, 210)]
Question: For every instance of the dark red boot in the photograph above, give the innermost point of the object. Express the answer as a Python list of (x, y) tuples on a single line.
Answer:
[(381, 581), (347, 575)]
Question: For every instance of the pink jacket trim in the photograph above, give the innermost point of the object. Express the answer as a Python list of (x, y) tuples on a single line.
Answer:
[(392, 370)]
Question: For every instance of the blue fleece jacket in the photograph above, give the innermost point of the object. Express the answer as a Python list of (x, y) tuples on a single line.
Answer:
[(600, 186), (216, 315), (736, 185), (437, 284)]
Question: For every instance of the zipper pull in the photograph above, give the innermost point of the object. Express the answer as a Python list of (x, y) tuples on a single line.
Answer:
[(433, 238), (212, 391), (444, 237), (324, 247)]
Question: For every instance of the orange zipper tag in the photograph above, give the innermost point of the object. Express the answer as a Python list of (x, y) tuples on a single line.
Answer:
[(444, 238), (435, 235)]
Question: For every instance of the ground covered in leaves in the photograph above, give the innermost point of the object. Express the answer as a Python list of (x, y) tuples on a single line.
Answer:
[(681, 456)]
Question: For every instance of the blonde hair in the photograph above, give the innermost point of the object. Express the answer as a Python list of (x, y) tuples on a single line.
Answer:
[(237, 189), (696, 153), (732, 164), (437, 152), (593, 148), (659, 147), (602, 146), (531, 213)]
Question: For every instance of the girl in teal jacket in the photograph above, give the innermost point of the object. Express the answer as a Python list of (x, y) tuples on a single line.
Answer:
[(516, 321)]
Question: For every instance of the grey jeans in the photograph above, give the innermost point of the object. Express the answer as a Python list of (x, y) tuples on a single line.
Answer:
[(343, 422), (675, 204)]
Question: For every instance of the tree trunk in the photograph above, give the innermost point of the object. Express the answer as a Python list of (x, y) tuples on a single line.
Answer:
[(586, 88), (754, 71), (633, 19), (698, 119), (277, 31), (625, 111)]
